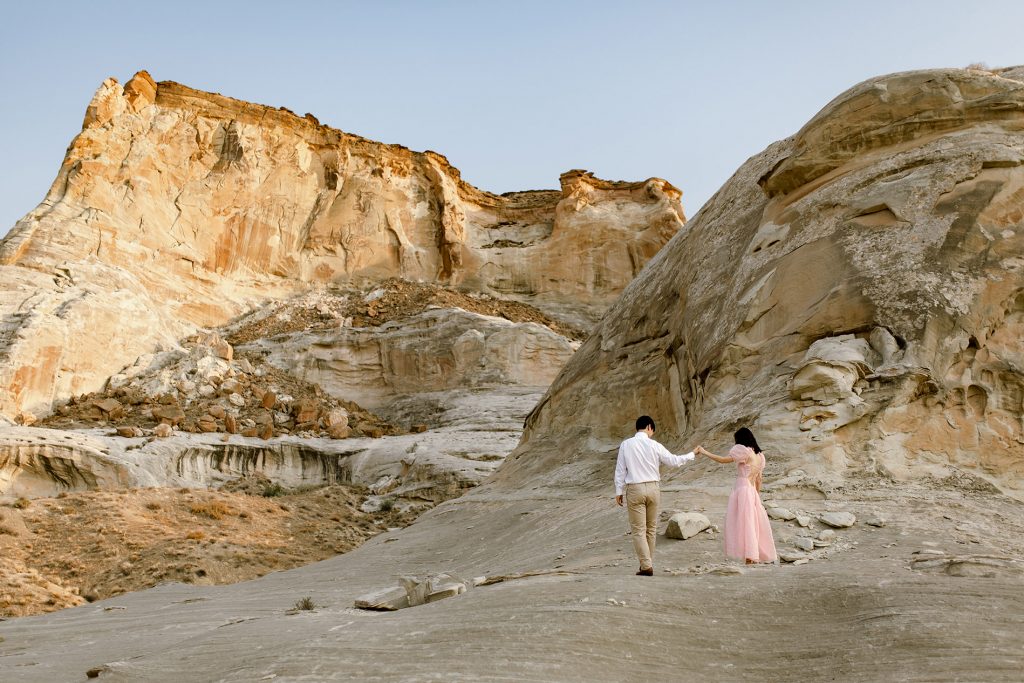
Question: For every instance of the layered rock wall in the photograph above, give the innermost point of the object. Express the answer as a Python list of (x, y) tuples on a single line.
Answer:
[(194, 192), (438, 350)]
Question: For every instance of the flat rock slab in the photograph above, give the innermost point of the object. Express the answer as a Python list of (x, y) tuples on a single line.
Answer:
[(384, 600), (784, 514), (839, 520)]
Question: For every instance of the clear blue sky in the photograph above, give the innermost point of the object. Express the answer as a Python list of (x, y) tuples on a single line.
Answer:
[(512, 93)]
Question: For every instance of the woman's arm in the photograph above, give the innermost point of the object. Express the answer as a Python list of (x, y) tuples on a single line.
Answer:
[(717, 458)]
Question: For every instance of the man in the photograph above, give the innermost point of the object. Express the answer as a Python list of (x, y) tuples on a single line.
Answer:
[(636, 476)]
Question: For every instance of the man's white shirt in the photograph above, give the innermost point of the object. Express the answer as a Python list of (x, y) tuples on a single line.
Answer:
[(639, 459)]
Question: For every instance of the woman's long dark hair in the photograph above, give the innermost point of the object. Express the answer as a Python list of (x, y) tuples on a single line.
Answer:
[(745, 437)]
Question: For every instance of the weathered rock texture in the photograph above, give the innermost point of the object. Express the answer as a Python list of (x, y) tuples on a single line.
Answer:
[(437, 350), (776, 306), (180, 207), (859, 300)]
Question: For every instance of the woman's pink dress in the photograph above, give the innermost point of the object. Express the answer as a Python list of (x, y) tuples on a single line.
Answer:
[(748, 534)]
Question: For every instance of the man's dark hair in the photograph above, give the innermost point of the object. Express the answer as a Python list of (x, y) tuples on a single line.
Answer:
[(745, 437), (643, 422)]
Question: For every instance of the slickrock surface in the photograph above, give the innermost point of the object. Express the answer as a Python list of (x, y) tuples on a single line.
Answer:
[(865, 609), (854, 295), (177, 208)]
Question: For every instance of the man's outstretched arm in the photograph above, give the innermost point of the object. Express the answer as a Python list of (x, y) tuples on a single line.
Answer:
[(674, 460)]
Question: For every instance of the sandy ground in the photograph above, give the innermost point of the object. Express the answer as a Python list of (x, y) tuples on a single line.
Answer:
[(81, 547)]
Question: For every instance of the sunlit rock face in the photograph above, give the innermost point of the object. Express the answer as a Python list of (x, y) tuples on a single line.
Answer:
[(854, 293), (177, 208)]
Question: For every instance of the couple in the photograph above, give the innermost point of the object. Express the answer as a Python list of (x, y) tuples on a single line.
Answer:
[(748, 534)]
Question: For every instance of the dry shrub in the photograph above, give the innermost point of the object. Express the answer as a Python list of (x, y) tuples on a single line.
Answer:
[(153, 505), (213, 509), (305, 604), (195, 536)]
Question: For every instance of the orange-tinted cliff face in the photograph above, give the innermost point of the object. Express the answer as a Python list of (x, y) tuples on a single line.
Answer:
[(200, 206), (194, 191)]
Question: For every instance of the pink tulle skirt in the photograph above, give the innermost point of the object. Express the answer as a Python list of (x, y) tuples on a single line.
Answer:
[(748, 533)]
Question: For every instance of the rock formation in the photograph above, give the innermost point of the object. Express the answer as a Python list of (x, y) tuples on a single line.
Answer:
[(859, 300), (177, 208), (854, 294)]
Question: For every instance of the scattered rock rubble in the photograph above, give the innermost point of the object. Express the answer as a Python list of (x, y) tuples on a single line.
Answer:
[(205, 387), (413, 591), (394, 299)]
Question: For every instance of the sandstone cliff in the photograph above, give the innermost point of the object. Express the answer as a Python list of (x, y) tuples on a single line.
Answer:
[(854, 293), (176, 208)]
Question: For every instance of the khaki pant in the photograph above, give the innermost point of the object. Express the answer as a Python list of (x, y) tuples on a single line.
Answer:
[(642, 502)]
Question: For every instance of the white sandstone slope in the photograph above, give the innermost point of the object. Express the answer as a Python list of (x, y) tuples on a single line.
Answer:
[(855, 294)]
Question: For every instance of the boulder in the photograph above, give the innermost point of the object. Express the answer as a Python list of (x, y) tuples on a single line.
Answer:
[(875, 520), (111, 408), (684, 525), (170, 414), (336, 417), (305, 410), (339, 431), (230, 386)]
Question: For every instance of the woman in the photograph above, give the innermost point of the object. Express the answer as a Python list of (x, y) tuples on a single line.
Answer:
[(748, 534)]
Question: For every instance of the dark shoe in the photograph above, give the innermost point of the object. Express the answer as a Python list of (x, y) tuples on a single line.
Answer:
[(646, 572)]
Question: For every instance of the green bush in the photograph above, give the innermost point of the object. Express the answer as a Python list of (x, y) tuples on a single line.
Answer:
[(273, 490)]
